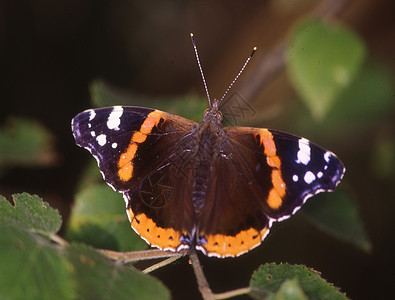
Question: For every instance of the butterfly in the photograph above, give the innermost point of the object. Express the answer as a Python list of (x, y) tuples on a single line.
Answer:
[(186, 184)]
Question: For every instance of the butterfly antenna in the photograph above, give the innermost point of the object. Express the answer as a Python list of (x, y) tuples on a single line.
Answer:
[(238, 75), (200, 68)]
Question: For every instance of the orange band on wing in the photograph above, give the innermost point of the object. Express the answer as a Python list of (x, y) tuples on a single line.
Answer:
[(125, 164), (150, 122), (163, 238), (139, 137), (227, 245), (126, 172), (276, 194), (128, 155), (268, 142)]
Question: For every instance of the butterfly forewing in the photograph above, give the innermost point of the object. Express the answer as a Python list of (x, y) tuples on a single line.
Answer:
[(298, 168), (306, 168), (122, 137)]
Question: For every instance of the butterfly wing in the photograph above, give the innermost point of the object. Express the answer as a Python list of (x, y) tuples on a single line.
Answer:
[(141, 153), (306, 168), (261, 176)]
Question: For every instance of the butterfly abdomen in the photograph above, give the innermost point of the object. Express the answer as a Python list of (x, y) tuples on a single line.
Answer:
[(207, 150), (201, 172)]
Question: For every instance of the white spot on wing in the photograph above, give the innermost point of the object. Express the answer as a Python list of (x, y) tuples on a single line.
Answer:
[(327, 156), (114, 119), (101, 139), (181, 247), (295, 178), (114, 145), (93, 133), (309, 177), (304, 151), (92, 115), (320, 174)]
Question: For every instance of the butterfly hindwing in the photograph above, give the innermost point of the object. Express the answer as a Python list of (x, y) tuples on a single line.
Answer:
[(160, 209), (233, 220)]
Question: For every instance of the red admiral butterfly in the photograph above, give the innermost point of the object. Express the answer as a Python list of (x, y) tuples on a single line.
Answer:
[(215, 188)]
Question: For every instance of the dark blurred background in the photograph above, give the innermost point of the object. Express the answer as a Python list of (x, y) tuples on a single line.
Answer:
[(51, 51)]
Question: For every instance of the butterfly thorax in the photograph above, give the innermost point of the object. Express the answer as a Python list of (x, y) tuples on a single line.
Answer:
[(209, 136)]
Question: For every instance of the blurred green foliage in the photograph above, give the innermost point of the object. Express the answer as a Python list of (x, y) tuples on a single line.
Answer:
[(337, 214), (323, 60), (25, 142), (189, 106), (99, 219), (38, 268)]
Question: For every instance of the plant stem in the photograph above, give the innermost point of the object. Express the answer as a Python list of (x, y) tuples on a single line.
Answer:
[(161, 264), (233, 293), (140, 255), (203, 285)]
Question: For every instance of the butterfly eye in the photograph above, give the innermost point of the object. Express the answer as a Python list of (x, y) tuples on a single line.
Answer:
[(220, 117)]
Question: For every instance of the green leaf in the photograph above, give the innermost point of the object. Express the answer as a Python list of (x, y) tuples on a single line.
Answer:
[(367, 101), (31, 213), (289, 290), (100, 278), (25, 143), (99, 218), (337, 214), (269, 280), (323, 61), (31, 267), (188, 106), (370, 97)]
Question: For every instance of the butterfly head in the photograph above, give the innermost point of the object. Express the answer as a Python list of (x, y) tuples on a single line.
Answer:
[(213, 114)]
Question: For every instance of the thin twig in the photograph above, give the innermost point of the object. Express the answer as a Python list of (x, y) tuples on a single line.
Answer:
[(58, 240), (161, 264), (203, 286), (233, 293), (140, 255)]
